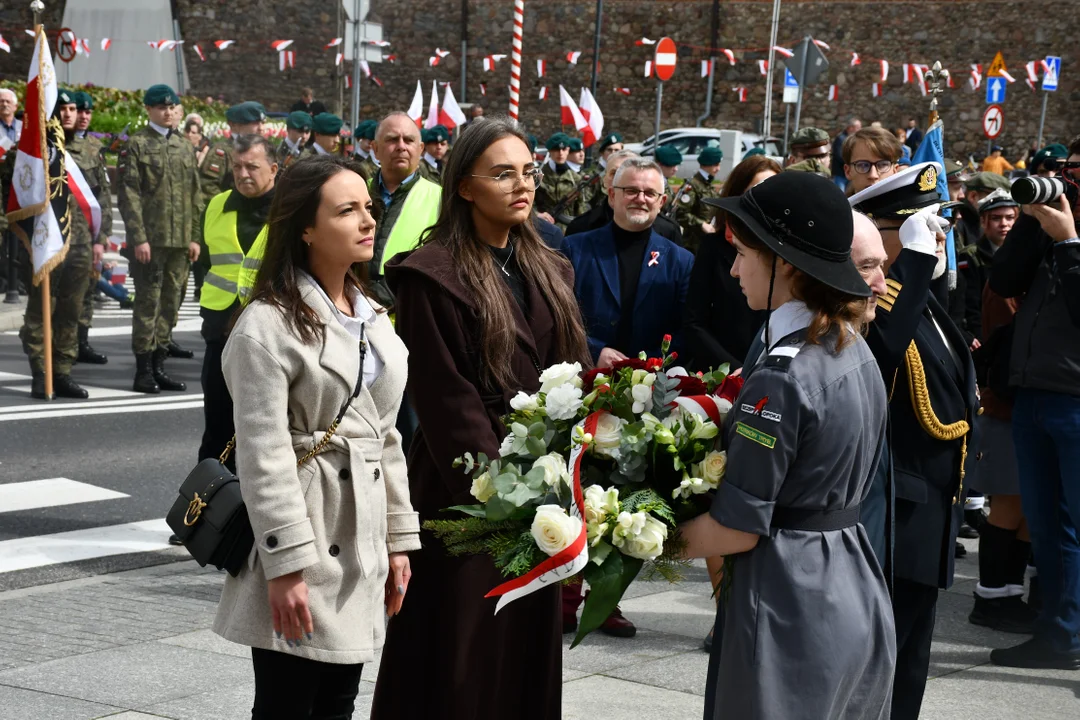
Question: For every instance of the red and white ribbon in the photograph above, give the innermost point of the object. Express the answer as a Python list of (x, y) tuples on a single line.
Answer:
[(541, 68), (706, 406), (654, 260), (573, 56), (855, 59), (222, 44), (572, 559), (106, 43)]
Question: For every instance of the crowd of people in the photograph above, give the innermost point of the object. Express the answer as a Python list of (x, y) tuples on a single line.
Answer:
[(425, 284)]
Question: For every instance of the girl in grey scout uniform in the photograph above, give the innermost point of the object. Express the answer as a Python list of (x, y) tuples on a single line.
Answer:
[(808, 629)]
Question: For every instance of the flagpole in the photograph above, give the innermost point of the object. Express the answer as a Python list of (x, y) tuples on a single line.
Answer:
[(37, 7)]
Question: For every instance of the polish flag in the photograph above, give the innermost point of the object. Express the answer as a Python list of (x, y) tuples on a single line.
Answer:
[(348, 82), (729, 55), (333, 43), (339, 58), (286, 58), (199, 52), (85, 44), (120, 271), (909, 73), (949, 81), (433, 61), (591, 111), (706, 68), (416, 109), (822, 44), (571, 114), (876, 89), (433, 107), (222, 44), (170, 45), (1032, 73), (450, 114), (156, 44), (490, 61), (543, 93), (855, 60), (884, 71), (541, 68), (834, 93), (573, 56), (976, 76), (106, 43), (644, 41), (648, 68), (741, 91), (280, 45), (441, 53), (4, 44), (1007, 76), (763, 66), (623, 91), (483, 89), (783, 51)]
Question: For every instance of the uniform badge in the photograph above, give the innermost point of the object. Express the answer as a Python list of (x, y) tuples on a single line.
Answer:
[(214, 167), (219, 152), (756, 435), (759, 409), (927, 179), (687, 199)]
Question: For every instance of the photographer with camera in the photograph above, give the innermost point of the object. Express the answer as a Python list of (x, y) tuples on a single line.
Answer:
[(1041, 257)]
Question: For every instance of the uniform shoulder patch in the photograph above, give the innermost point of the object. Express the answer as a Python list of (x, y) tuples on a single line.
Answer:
[(687, 199), (750, 433), (781, 357), (219, 152)]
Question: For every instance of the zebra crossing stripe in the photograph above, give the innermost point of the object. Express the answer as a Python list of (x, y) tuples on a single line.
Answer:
[(73, 546), (51, 492)]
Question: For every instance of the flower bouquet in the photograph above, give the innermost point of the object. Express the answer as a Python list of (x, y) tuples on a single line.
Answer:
[(595, 473)]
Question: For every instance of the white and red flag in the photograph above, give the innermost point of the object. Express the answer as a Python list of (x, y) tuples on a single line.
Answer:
[(199, 52), (338, 58), (435, 59), (483, 89), (648, 68), (416, 108), (365, 67), (543, 93), (855, 59), (4, 44), (333, 43), (593, 116), (729, 55), (786, 52), (1007, 76), (644, 41), (822, 44), (106, 43), (286, 58), (1032, 72), (450, 114), (571, 114), (280, 45), (706, 68), (541, 68), (834, 93), (222, 44), (876, 89), (433, 107), (623, 91), (763, 66), (573, 56), (741, 92)]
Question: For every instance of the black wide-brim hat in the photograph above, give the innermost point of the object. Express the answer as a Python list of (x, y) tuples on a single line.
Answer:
[(806, 220)]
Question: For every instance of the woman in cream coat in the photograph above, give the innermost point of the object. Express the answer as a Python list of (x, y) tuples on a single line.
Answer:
[(331, 534)]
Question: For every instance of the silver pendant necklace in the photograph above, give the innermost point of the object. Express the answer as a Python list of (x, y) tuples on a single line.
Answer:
[(503, 266)]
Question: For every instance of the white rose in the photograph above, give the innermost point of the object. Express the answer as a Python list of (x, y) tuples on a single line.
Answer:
[(482, 488), (561, 374), (554, 530), (563, 402), (554, 467), (648, 543), (524, 402), (608, 435), (642, 397), (714, 466)]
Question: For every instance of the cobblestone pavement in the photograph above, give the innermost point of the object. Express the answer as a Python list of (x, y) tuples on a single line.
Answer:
[(137, 645)]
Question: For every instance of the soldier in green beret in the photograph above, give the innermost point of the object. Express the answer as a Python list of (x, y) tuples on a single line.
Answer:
[(160, 200), (754, 151), (326, 129), (88, 153), (576, 158), (692, 214), (365, 135), (669, 158), (559, 195), (436, 145), (1044, 163), (297, 133)]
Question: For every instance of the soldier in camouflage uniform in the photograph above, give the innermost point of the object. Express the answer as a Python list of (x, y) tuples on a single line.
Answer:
[(298, 132), (691, 212), (559, 194), (811, 143), (594, 191), (160, 201), (365, 135), (436, 145), (87, 151), (669, 158)]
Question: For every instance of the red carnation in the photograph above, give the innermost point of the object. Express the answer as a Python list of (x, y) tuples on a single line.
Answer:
[(730, 388), (653, 364), (667, 338)]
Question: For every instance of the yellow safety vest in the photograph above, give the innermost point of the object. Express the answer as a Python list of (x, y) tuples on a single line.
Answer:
[(232, 273), (421, 211)]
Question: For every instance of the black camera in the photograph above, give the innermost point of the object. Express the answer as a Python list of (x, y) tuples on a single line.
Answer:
[(1036, 190)]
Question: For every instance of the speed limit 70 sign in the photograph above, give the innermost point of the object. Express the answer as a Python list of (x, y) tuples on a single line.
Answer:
[(993, 121)]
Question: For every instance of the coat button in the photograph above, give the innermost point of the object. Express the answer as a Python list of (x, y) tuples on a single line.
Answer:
[(344, 474), (378, 474), (334, 550), (271, 542)]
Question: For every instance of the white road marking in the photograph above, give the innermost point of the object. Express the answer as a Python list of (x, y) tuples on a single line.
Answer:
[(96, 393), (5, 376), (51, 492), (143, 399), (65, 547), (187, 325), (101, 407)]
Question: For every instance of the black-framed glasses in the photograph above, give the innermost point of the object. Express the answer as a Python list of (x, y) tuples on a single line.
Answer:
[(863, 166), (632, 192), (509, 180)]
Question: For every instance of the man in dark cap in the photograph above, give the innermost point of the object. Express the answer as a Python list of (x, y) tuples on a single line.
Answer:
[(926, 362), (297, 132), (611, 142), (669, 158), (436, 145), (1044, 164), (326, 127), (691, 213), (365, 134), (161, 210), (559, 195), (810, 143), (576, 157)]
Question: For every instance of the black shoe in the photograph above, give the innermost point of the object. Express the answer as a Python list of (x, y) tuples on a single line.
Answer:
[(1007, 614), (960, 551), (37, 386), (65, 387), (144, 375), (126, 303), (87, 354), (975, 519), (164, 381), (708, 642), (1036, 655), (618, 626), (967, 532), (175, 351), (175, 540)]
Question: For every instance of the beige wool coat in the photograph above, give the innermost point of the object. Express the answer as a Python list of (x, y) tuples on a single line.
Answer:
[(337, 516)]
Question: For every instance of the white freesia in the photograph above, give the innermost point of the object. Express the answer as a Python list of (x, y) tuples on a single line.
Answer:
[(639, 535), (507, 447), (482, 487), (642, 397), (690, 486), (563, 402), (554, 530), (608, 435), (554, 467), (524, 402), (599, 505), (561, 374)]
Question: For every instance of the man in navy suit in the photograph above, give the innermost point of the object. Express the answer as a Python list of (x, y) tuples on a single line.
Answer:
[(630, 282)]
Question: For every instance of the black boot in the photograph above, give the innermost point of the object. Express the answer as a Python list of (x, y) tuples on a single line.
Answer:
[(1007, 614), (65, 387), (175, 351), (144, 375), (164, 381), (37, 386), (88, 354)]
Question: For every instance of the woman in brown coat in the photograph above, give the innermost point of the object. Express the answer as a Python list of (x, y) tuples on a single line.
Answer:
[(483, 307)]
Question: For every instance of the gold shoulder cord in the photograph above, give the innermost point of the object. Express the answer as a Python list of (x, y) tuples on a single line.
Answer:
[(924, 411)]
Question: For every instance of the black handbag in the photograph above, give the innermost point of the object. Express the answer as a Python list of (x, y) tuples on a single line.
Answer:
[(210, 517)]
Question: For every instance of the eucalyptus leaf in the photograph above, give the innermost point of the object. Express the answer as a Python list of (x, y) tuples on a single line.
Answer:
[(537, 430), (499, 509), (535, 446), (505, 483), (534, 479), (521, 494)]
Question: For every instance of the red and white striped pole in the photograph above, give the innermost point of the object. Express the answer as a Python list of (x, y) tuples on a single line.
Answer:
[(515, 58)]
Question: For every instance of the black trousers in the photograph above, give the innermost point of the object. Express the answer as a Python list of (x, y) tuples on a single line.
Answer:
[(288, 687), (218, 426), (914, 610)]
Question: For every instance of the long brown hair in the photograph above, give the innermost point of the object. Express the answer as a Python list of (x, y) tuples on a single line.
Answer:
[(741, 176), (297, 196), (539, 264), (831, 308)]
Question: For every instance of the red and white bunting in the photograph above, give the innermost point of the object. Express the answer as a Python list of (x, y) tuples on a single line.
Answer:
[(834, 93), (855, 59), (489, 63), (571, 114), (365, 68), (541, 68), (763, 66), (333, 43), (644, 41), (106, 43), (85, 43), (949, 81), (729, 55), (648, 68), (378, 43), (280, 45), (416, 108), (348, 82), (286, 58), (822, 44), (441, 53), (390, 58), (976, 76), (338, 58), (483, 89), (222, 44), (433, 61), (543, 93), (786, 52), (1007, 76), (1032, 73), (199, 52), (909, 73), (156, 44), (876, 89), (1030, 84), (450, 115), (623, 91), (377, 81), (706, 68), (573, 56), (433, 108), (4, 44), (884, 71), (741, 92)]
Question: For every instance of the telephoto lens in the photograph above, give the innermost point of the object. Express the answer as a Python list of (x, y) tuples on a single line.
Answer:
[(1037, 190)]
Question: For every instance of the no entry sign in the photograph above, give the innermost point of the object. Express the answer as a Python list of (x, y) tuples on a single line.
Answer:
[(993, 121), (666, 57)]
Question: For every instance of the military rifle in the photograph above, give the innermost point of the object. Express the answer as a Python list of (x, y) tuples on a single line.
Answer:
[(556, 211)]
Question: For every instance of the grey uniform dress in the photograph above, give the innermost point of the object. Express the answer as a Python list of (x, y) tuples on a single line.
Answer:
[(808, 630)]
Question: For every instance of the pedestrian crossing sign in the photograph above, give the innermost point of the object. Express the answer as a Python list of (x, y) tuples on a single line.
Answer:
[(1052, 74)]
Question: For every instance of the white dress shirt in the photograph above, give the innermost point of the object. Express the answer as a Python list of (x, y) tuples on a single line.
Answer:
[(363, 314)]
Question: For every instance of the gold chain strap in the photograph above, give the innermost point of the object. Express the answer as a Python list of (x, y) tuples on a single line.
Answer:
[(319, 446)]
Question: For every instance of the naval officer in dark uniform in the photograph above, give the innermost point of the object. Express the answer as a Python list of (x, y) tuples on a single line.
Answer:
[(933, 401)]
